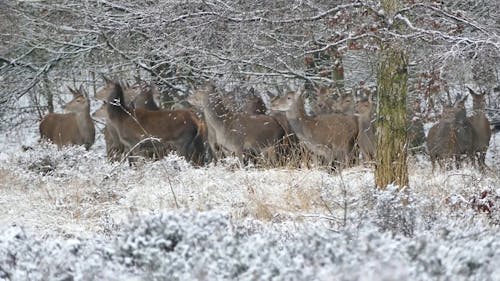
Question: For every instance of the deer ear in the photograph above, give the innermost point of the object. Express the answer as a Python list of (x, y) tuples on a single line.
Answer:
[(83, 92), (154, 90), (209, 86), (300, 92), (461, 101), (72, 91), (472, 92), (106, 79)]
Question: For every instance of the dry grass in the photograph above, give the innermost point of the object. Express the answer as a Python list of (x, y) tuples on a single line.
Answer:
[(89, 195)]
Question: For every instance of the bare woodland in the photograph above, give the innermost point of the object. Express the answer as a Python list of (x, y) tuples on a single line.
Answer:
[(271, 46)]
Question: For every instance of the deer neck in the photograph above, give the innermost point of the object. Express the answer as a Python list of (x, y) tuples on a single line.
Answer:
[(297, 117), (86, 126), (216, 112), (365, 120), (478, 108), (116, 106)]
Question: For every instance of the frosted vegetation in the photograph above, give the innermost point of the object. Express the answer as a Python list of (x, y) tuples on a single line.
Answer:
[(71, 215)]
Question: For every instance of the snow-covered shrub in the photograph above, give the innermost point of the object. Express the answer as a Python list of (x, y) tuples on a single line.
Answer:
[(212, 246), (394, 211), (25, 256)]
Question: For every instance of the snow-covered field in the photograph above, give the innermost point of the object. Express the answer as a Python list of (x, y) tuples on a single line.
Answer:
[(71, 215)]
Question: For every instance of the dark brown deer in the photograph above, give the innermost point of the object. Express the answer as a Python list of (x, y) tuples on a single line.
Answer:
[(452, 136), (138, 96), (330, 136), (480, 127), (238, 134), (73, 128), (157, 130)]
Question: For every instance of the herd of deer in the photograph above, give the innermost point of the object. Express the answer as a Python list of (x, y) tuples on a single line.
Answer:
[(456, 134), (135, 126)]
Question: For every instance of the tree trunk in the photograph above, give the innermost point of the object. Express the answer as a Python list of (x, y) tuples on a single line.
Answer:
[(392, 80), (390, 164), (49, 96)]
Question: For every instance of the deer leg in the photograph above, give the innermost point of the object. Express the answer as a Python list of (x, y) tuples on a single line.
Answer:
[(457, 161), (440, 162), (482, 160)]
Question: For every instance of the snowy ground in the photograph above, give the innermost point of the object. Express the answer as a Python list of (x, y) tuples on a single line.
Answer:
[(71, 215)]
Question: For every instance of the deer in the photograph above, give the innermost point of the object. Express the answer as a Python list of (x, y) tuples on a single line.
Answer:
[(73, 128), (136, 96), (329, 136), (327, 103), (180, 129), (236, 134), (480, 127), (452, 136), (139, 95), (254, 104), (146, 99)]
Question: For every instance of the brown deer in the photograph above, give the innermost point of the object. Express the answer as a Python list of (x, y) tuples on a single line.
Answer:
[(235, 133), (136, 96), (480, 127), (330, 136), (73, 128), (180, 129), (452, 136)]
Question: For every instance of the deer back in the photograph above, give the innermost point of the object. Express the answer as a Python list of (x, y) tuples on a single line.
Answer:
[(254, 105)]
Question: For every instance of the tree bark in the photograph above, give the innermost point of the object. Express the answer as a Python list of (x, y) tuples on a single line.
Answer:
[(49, 96), (391, 166)]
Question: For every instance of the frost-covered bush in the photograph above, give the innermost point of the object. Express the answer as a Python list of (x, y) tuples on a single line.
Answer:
[(48, 160), (395, 211), (212, 246), (25, 256)]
